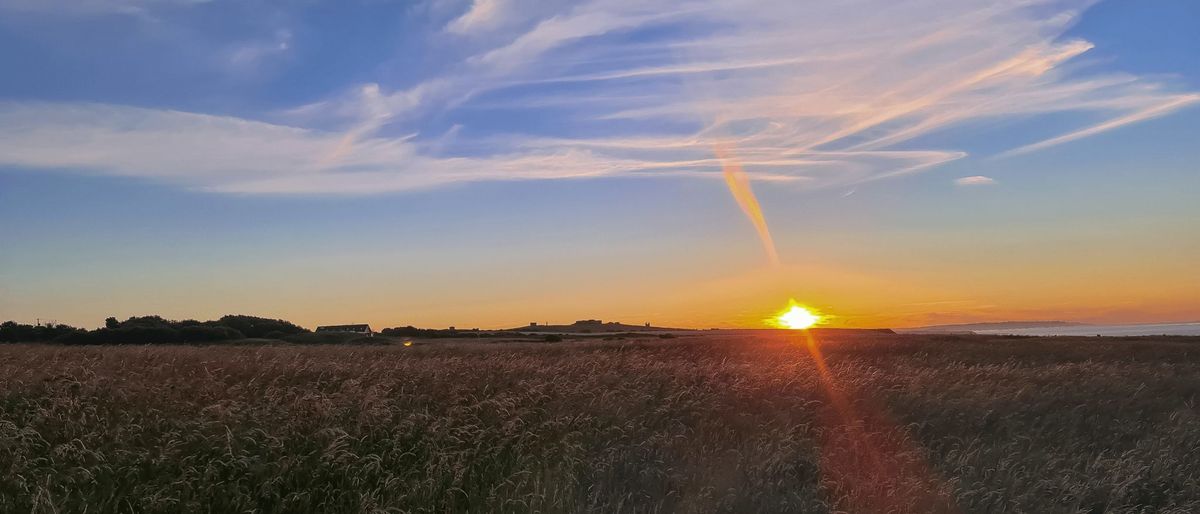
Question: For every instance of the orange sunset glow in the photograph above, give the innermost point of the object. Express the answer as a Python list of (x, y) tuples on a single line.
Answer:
[(600, 256)]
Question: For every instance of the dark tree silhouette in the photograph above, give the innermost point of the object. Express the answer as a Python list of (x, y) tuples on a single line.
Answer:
[(153, 330)]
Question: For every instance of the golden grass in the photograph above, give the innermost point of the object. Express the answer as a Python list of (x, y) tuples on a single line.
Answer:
[(696, 424)]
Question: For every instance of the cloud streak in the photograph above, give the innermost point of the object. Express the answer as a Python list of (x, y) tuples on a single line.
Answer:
[(233, 155), (1166, 106), (810, 95), (976, 180)]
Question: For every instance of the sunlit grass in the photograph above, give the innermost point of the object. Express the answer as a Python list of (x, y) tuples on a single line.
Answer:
[(718, 424)]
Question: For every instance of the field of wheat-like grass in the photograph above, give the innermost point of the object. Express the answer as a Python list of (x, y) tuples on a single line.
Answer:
[(714, 423)]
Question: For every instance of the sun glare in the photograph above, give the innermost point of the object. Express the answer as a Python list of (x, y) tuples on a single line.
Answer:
[(796, 317)]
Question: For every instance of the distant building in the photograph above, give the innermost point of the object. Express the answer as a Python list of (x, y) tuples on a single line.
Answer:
[(363, 329)]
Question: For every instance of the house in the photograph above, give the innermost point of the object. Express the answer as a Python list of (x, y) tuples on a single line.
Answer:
[(363, 329)]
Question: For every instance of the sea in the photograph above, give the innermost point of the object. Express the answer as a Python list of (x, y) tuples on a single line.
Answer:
[(1148, 329)]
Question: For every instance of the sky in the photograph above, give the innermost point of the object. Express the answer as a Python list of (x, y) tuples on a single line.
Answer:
[(491, 163)]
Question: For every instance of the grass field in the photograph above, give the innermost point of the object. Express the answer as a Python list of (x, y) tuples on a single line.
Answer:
[(713, 423)]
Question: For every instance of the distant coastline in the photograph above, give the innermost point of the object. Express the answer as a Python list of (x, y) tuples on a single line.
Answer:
[(1062, 328)]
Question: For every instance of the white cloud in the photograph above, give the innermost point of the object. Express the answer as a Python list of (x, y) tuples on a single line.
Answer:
[(1165, 106), (482, 15), (810, 94), (977, 180), (235, 155)]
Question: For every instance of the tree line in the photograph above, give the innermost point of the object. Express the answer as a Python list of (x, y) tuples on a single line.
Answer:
[(153, 330), (159, 330)]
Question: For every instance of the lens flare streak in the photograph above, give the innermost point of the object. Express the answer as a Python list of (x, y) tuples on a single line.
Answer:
[(739, 187), (860, 449)]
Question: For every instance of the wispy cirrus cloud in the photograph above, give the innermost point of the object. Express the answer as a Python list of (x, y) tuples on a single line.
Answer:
[(483, 15), (812, 95), (976, 180), (1162, 106), (227, 154)]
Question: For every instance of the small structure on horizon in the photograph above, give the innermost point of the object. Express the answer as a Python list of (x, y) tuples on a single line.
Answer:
[(363, 329)]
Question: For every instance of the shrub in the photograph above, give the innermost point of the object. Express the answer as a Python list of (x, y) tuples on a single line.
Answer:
[(552, 338), (364, 340), (253, 326), (321, 338), (153, 330), (126, 335), (12, 332), (145, 322), (202, 334)]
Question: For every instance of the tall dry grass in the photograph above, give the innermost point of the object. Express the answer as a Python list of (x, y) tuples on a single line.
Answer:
[(706, 424)]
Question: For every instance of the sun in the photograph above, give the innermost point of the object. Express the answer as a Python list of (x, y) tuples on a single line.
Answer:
[(796, 317)]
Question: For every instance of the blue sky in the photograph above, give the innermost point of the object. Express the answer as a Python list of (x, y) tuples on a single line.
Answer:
[(482, 162)]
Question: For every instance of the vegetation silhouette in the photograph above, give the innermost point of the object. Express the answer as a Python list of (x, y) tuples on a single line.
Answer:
[(153, 330)]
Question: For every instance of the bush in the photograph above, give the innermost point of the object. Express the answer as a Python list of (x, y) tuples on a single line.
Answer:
[(321, 338), (253, 326), (365, 340), (152, 330), (75, 338), (203, 334), (553, 338), (127, 335), (149, 334), (430, 333), (13, 332), (145, 322), (156, 330)]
